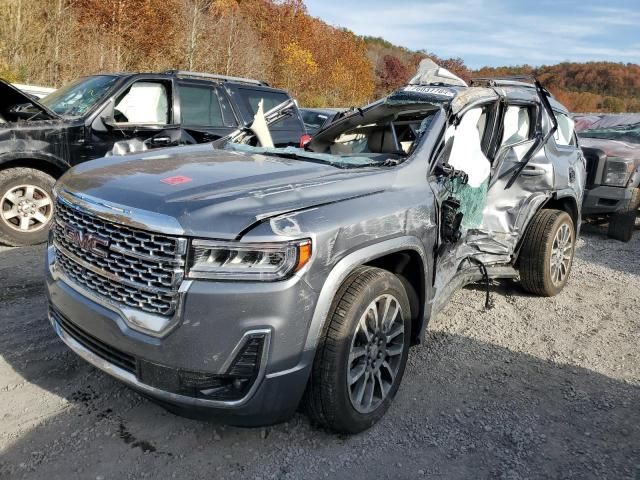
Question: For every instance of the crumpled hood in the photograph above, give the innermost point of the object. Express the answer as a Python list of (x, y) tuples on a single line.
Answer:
[(614, 148), (11, 97), (217, 193)]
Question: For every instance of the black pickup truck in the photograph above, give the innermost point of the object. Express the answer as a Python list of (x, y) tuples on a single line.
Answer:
[(115, 114), (611, 145)]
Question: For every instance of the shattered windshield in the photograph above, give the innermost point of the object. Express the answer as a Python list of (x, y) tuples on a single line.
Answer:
[(385, 133), (80, 96), (628, 133), (622, 127), (381, 136), (340, 161)]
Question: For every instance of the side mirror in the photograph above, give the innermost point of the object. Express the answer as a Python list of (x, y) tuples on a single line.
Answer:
[(108, 121)]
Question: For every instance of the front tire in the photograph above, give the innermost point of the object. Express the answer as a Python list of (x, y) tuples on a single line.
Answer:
[(547, 252), (362, 354), (26, 206), (622, 224)]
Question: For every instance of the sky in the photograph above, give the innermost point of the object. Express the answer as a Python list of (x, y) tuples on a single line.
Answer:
[(497, 32)]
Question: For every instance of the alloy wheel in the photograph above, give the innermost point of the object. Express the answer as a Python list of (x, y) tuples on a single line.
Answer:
[(561, 254), (375, 353), (26, 208)]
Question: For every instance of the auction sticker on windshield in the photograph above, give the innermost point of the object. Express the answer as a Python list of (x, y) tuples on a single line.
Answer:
[(429, 90)]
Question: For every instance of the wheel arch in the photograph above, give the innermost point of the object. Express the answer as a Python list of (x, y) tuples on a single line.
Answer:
[(407, 249), (50, 165), (567, 204), (408, 266)]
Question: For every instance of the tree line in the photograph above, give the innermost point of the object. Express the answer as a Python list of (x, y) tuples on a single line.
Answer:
[(51, 42)]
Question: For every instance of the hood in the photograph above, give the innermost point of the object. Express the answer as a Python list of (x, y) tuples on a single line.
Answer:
[(11, 97), (613, 148), (217, 193)]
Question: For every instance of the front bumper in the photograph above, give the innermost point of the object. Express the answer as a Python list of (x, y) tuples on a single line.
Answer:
[(216, 319), (602, 200)]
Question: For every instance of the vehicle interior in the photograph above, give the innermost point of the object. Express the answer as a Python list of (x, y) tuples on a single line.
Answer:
[(388, 131)]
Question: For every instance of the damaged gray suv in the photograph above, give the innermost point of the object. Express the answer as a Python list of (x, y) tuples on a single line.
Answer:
[(243, 282)]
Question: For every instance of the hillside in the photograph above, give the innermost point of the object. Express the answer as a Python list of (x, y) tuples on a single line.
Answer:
[(52, 42), (582, 87)]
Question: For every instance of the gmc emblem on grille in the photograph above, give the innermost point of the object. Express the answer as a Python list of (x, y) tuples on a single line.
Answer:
[(87, 241)]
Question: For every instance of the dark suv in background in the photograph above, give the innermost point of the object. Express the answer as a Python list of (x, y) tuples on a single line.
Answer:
[(115, 114)]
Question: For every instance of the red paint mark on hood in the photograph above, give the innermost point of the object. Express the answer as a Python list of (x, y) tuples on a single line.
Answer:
[(177, 180)]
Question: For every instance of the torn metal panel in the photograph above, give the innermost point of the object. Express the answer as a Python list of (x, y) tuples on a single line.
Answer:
[(430, 73)]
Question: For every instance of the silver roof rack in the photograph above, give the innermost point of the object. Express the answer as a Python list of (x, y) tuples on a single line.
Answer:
[(213, 76)]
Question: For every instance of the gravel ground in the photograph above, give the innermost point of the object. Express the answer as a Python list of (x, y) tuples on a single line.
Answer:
[(535, 388)]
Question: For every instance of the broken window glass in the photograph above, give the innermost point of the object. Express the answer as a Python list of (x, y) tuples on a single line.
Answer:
[(79, 97), (467, 155)]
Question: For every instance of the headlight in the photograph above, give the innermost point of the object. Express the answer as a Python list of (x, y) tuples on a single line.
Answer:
[(617, 171), (220, 260)]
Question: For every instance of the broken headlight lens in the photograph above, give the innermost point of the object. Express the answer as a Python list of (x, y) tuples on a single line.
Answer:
[(221, 260), (617, 171)]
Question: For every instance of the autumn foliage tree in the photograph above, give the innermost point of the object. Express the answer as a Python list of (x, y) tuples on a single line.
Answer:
[(391, 73)]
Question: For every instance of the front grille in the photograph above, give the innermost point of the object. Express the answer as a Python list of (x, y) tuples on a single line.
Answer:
[(91, 343), (593, 158), (129, 266)]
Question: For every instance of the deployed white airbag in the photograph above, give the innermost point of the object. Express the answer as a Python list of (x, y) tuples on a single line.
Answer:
[(146, 102), (260, 127), (466, 151)]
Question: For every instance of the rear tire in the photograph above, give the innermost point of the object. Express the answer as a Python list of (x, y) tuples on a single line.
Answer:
[(547, 252), (622, 224), (26, 206), (360, 362)]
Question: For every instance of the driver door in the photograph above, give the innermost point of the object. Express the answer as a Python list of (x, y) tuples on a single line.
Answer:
[(139, 118)]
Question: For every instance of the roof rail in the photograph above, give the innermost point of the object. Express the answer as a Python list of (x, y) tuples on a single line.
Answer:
[(527, 81), (213, 76)]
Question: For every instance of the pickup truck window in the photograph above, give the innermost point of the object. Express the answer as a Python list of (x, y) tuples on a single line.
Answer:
[(251, 98), (271, 99), (143, 103), (199, 105)]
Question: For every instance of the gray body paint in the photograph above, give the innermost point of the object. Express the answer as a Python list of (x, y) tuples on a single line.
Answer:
[(352, 215)]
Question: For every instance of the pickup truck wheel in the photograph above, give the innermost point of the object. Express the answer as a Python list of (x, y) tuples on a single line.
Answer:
[(26, 206), (362, 355), (547, 253), (622, 224)]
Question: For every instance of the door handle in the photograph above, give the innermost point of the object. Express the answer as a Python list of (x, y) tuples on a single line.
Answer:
[(160, 140), (533, 171)]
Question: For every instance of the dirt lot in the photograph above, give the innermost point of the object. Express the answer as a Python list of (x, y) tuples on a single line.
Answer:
[(535, 388)]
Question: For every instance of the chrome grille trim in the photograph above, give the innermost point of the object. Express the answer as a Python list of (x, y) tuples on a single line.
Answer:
[(136, 268), (122, 236), (108, 275)]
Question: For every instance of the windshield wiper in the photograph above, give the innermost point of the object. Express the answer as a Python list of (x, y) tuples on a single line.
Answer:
[(304, 158)]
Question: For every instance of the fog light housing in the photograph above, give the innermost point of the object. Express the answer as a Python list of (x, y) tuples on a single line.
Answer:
[(234, 384)]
